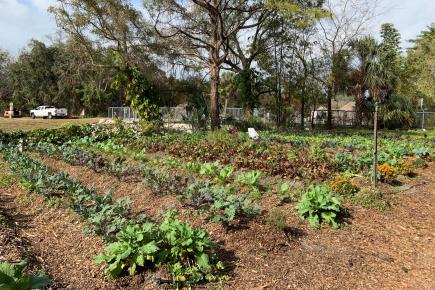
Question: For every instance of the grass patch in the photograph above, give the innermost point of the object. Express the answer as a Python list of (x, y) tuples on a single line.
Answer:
[(26, 124)]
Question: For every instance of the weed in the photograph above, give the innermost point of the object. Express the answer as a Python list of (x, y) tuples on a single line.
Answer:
[(277, 219), (370, 198)]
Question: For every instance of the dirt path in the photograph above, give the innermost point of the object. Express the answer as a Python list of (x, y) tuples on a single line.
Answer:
[(394, 249)]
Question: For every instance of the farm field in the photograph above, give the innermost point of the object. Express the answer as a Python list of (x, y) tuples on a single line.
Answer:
[(207, 210), (26, 124)]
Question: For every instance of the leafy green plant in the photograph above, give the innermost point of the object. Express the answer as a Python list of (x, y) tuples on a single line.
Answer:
[(12, 278), (221, 203), (186, 250), (225, 173), (284, 193), (249, 178), (192, 166), (209, 169), (422, 152), (319, 205), (136, 246), (227, 206)]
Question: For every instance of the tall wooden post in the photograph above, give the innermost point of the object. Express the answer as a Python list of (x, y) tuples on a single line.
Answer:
[(375, 147)]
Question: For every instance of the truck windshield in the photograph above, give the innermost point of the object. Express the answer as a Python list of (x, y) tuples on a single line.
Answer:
[(49, 107)]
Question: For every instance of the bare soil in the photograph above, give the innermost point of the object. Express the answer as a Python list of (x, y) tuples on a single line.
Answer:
[(393, 249)]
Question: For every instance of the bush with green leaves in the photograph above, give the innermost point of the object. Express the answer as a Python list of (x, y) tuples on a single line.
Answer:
[(186, 252), (209, 169), (225, 173), (318, 204), (136, 246), (12, 278)]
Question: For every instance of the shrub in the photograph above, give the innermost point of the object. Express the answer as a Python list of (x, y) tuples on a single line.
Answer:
[(12, 278), (342, 185), (319, 205)]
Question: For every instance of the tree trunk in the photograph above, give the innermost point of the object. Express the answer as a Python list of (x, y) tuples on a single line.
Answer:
[(359, 104), (329, 107), (302, 111), (375, 147), (214, 96)]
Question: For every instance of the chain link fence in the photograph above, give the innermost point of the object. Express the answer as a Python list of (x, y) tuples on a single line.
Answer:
[(125, 113), (425, 120)]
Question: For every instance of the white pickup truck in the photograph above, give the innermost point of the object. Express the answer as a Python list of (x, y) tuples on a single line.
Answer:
[(48, 112)]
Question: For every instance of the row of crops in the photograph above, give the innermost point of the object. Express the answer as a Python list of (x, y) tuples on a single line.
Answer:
[(221, 177)]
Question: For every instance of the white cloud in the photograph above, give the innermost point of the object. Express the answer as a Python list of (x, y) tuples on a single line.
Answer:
[(43, 4), (409, 17), (22, 21)]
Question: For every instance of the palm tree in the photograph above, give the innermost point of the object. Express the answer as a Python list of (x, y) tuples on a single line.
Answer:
[(362, 50), (377, 80)]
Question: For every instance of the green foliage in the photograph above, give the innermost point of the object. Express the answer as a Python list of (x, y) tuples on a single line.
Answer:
[(249, 178), (184, 250), (345, 162), (319, 205), (221, 203), (417, 76), (12, 278), (227, 206), (139, 91), (104, 216), (209, 169), (136, 246), (225, 173), (284, 193), (161, 181)]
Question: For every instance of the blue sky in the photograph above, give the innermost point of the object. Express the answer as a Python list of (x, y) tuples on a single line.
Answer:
[(21, 20)]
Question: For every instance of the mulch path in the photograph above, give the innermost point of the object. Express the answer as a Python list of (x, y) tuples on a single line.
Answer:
[(375, 250)]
